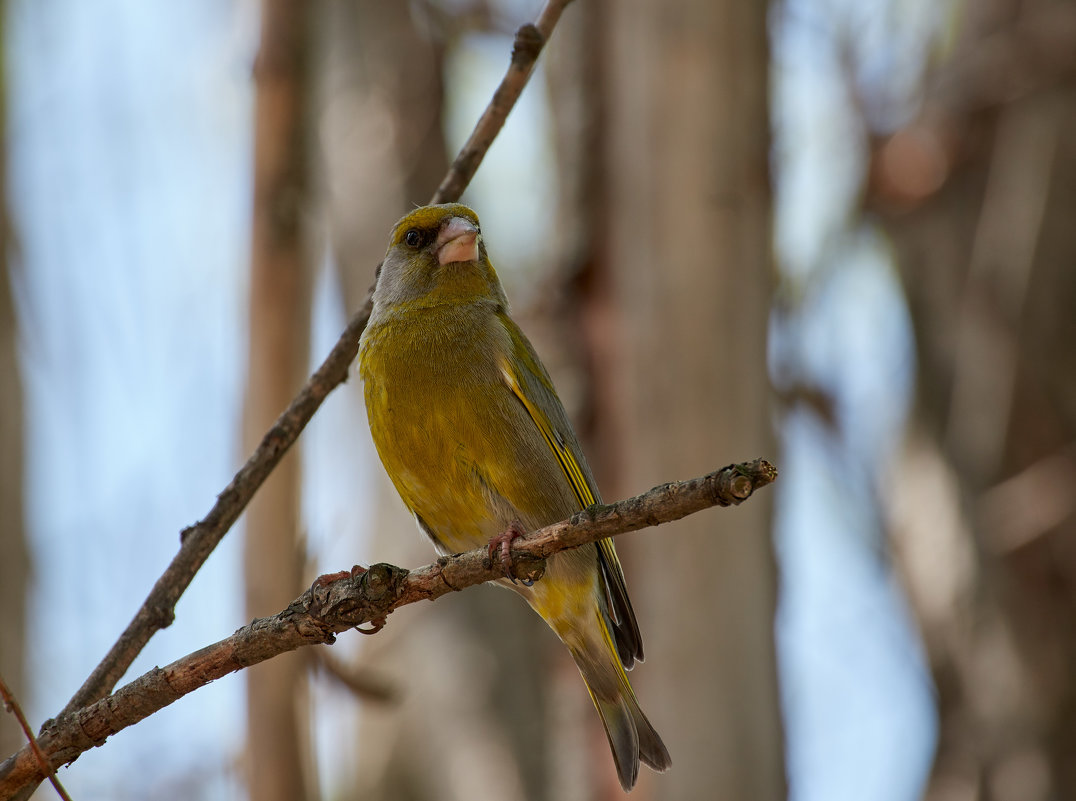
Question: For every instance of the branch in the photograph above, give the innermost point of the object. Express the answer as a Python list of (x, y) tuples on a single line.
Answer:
[(198, 541), (12, 706), (320, 613), (363, 683), (528, 44)]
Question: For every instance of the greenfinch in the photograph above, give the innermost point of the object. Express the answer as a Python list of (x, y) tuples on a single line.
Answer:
[(471, 431)]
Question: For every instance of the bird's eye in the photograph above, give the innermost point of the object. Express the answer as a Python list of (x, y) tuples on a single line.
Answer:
[(414, 238)]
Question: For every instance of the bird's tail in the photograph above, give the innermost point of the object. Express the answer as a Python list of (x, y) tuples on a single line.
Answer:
[(631, 737)]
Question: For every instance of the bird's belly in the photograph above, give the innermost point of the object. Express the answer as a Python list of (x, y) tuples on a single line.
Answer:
[(436, 449), (462, 451), (451, 505)]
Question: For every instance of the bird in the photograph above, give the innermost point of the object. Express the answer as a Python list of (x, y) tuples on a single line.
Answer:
[(469, 428)]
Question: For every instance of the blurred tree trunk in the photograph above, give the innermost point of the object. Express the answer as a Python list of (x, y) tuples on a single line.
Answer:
[(979, 195), (474, 661), (280, 291), (15, 564), (687, 267)]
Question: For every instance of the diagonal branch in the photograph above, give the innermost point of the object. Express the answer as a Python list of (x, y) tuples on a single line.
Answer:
[(319, 614), (198, 541), (49, 771), (528, 44)]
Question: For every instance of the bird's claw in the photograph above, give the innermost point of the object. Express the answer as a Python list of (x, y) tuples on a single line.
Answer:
[(503, 543)]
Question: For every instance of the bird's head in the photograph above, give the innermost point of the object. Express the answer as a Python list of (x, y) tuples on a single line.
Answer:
[(436, 256)]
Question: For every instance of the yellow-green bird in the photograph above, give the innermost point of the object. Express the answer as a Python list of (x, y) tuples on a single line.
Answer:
[(471, 431)]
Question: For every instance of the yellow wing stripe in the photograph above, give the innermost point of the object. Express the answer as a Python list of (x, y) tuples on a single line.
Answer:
[(586, 498), (567, 462)]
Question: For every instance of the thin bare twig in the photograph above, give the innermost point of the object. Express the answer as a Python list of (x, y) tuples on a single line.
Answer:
[(528, 44), (322, 612), (198, 541), (364, 684), (12, 706)]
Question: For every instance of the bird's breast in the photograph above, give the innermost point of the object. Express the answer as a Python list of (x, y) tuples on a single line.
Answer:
[(455, 442)]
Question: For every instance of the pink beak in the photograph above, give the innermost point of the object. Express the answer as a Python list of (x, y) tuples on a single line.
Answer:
[(457, 241)]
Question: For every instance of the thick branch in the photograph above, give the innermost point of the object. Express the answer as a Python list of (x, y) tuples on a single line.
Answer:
[(198, 541), (320, 613)]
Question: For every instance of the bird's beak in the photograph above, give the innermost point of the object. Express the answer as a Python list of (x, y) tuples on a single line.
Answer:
[(457, 241)]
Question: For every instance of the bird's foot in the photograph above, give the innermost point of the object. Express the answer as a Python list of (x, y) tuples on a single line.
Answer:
[(503, 543)]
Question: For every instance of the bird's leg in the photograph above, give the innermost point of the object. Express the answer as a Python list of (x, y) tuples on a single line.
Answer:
[(503, 542), (328, 578)]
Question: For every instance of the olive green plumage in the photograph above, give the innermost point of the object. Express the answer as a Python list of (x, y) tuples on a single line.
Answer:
[(471, 432)]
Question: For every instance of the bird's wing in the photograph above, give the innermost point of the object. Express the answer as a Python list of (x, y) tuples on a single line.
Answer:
[(528, 380)]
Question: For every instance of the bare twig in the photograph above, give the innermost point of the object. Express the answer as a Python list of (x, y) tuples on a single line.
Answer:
[(322, 612), (12, 706), (528, 44), (198, 541)]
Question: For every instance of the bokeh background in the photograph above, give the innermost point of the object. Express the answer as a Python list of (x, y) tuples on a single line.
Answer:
[(835, 234)]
